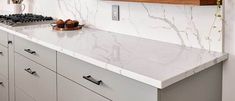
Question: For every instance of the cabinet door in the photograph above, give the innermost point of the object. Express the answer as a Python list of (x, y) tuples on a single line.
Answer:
[(3, 61), (3, 89), (70, 91), (34, 79)]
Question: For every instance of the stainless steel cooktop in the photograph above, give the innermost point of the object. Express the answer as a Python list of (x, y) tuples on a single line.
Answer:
[(25, 19)]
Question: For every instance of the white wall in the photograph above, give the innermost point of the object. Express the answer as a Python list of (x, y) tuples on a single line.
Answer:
[(229, 66), (192, 26)]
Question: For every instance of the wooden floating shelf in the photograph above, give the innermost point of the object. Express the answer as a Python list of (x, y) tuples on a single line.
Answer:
[(184, 2)]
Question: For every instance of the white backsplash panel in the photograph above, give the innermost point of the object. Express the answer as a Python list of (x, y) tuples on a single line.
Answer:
[(192, 26)]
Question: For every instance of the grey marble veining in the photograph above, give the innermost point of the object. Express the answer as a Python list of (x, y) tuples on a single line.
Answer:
[(152, 62)]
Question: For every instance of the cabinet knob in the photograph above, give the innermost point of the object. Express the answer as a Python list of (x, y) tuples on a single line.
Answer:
[(30, 51), (9, 42), (91, 79), (30, 71), (1, 83), (1, 53)]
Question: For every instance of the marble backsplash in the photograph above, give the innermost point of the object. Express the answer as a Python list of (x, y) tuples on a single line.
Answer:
[(192, 26)]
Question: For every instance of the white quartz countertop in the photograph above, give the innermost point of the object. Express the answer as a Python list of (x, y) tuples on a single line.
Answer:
[(151, 62)]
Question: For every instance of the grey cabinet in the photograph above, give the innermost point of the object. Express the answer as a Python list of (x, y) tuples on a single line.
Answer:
[(35, 80)]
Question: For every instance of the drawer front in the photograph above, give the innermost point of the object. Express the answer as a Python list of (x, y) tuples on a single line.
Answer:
[(37, 53), (3, 38), (113, 86), (34, 79), (3, 89), (3, 61), (70, 91)]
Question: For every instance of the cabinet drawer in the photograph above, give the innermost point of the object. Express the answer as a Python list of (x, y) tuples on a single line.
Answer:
[(4, 61), (3, 38), (37, 53), (34, 79), (3, 89), (70, 91), (113, 86)]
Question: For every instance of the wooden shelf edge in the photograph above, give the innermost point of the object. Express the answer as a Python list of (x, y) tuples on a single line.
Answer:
[(176, 2)]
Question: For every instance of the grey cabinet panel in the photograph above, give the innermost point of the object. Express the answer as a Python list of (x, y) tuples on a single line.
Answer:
[(37, 53), (38, 81)]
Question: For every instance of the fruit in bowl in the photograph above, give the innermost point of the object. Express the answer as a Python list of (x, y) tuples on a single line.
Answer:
[(67, 23), (76, 23), (60, 23)]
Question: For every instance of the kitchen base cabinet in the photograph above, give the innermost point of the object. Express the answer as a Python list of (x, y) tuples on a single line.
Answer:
[(34, 79), (70, 91), (3, 89)]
